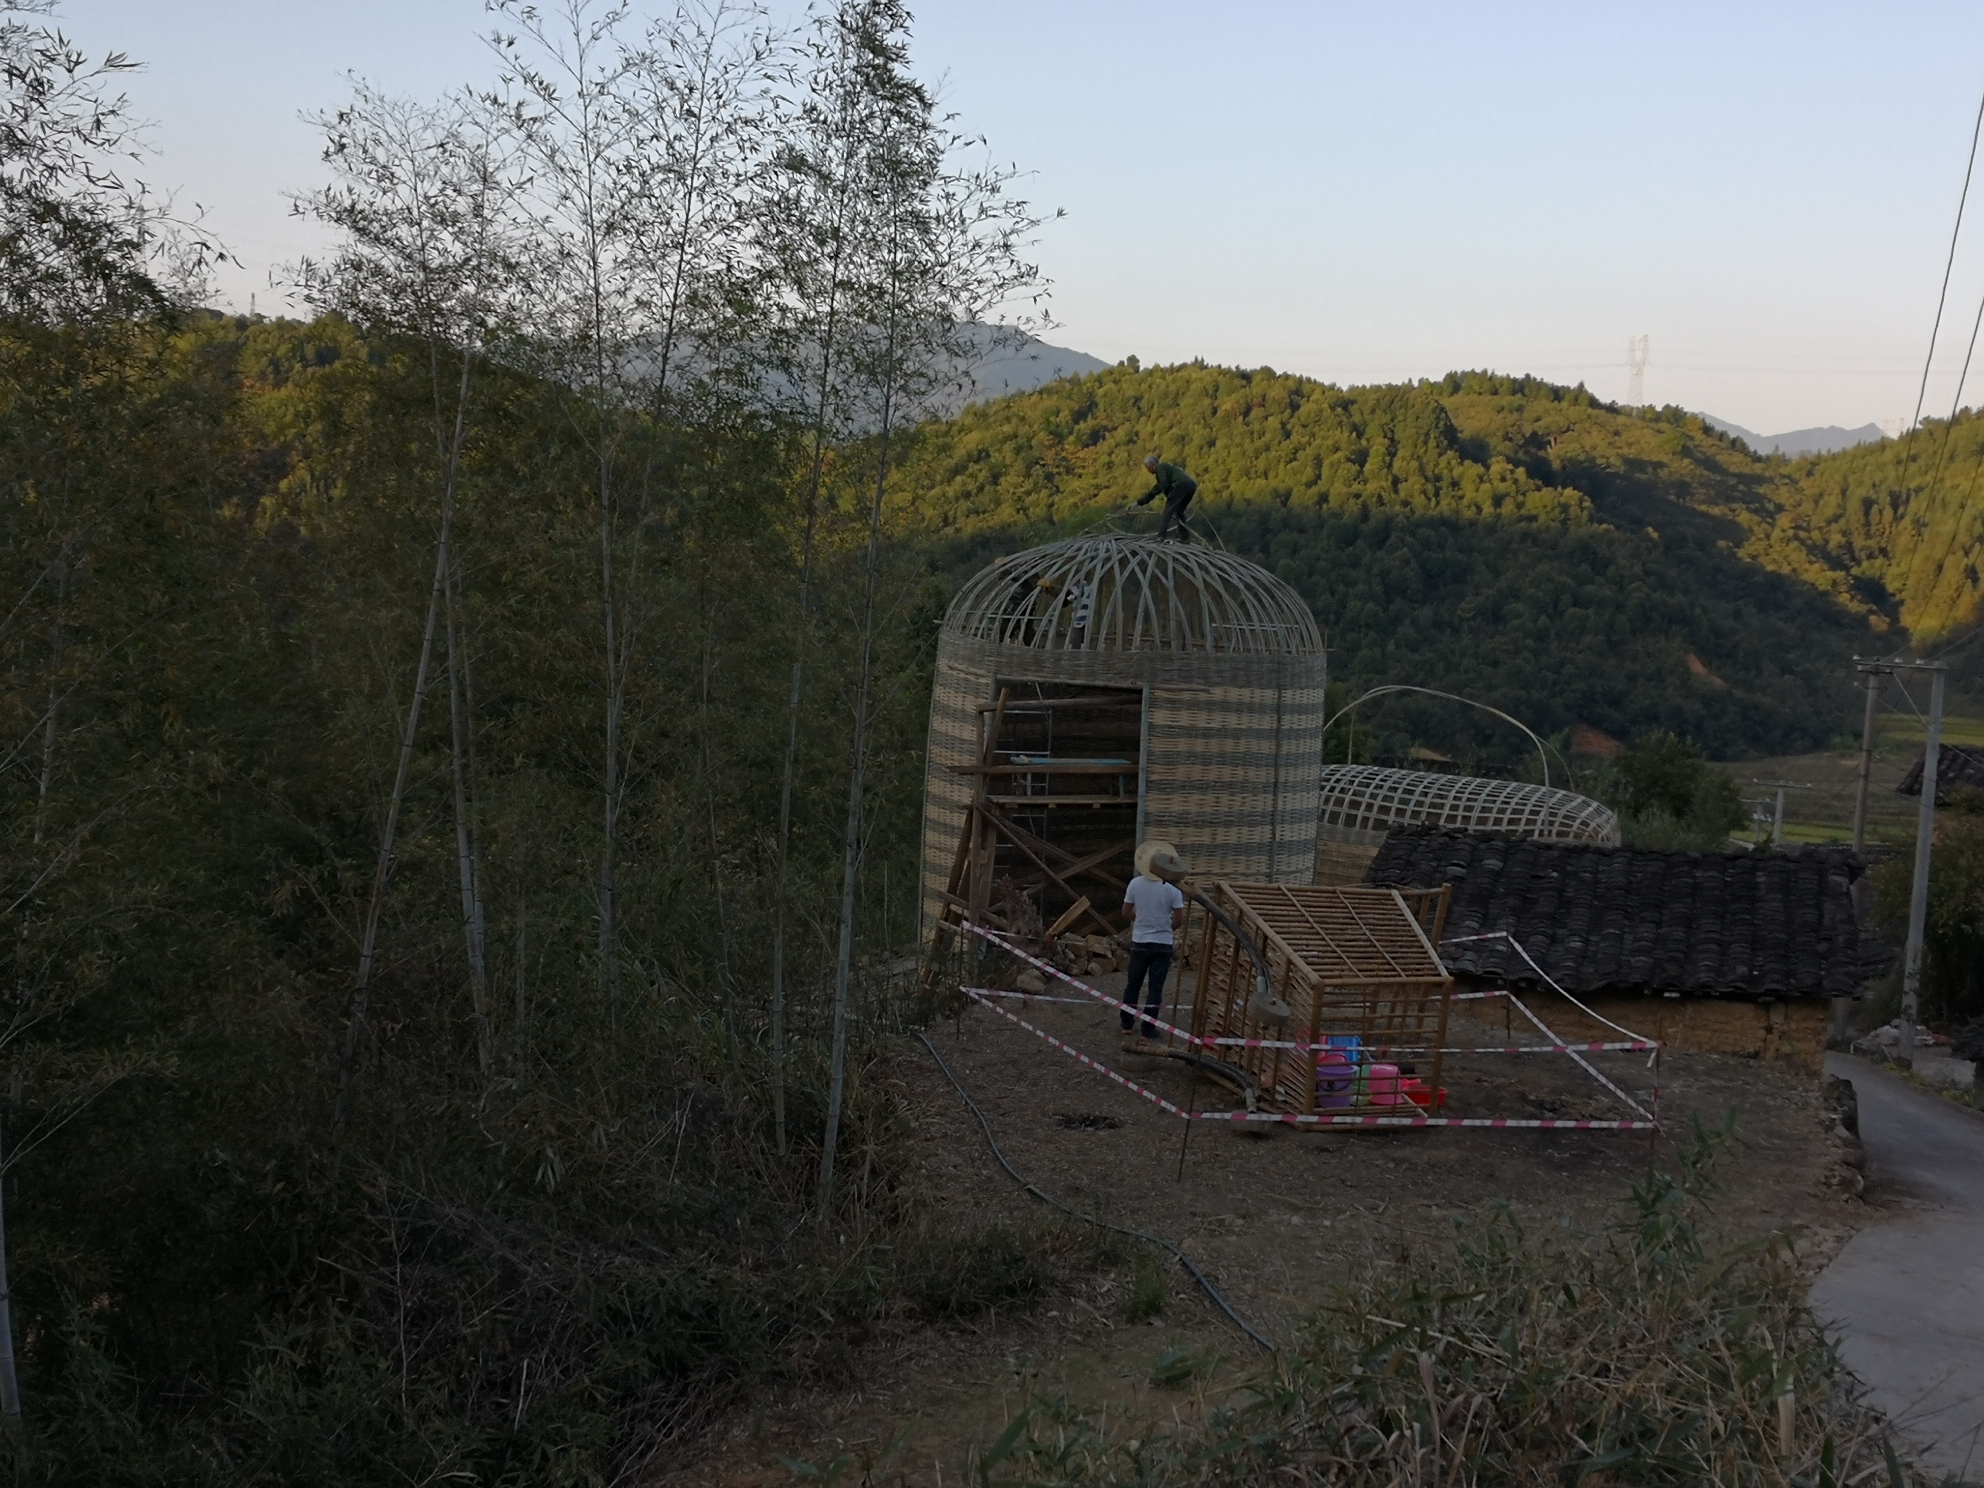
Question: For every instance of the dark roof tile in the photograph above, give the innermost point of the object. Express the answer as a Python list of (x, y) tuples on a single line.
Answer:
[(1780, 923), (1956, 769)]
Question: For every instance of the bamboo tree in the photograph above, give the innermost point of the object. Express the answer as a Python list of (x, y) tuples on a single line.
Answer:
[(468, 824), (699, 93), (648, 159), (48, 720), (706, 751), (941, 249), (79, 242), (810, 248), (375, 904), (423, 196), (570, 97)]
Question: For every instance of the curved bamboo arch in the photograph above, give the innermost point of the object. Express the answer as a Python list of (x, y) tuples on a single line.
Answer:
[(1455, 697)]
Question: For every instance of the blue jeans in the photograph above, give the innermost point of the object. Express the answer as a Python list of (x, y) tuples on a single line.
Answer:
[(1150, 960)]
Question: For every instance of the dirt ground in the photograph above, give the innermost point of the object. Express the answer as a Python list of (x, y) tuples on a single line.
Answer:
[(1274, 1216)]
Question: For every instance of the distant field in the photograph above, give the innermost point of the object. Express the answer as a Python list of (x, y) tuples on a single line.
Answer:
[(1905, 728), (1824, 813)]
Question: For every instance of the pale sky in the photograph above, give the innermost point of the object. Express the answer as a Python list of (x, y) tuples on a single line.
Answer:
[(1358, 192)]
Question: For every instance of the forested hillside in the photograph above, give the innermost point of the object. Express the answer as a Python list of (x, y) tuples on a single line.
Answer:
[(1504, 538), (1902, 515)]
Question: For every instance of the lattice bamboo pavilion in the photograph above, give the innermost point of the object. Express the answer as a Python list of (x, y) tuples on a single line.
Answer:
[(1359, 804), (1095, 693)]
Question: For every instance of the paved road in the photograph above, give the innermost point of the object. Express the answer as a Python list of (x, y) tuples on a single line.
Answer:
[(1907, 1295)]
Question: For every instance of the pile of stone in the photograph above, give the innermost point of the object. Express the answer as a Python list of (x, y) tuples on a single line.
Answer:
[(1090, 956), (1969, 1044), (1845, 1172)]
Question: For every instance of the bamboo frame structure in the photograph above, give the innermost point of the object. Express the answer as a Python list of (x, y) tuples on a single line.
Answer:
[(1347, 962), (1369, 798), (1227, 665)]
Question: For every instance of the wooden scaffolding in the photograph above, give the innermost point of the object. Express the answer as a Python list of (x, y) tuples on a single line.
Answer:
[(1350, 963), (1047, 833)]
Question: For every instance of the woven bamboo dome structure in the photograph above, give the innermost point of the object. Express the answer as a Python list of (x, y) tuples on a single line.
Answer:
[(1359, 804), (1150, 690)]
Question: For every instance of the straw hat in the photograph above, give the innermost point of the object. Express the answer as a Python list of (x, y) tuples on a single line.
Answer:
[(1159, 861)]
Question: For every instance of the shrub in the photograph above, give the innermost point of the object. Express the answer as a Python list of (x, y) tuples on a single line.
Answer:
[(1518, 1360)]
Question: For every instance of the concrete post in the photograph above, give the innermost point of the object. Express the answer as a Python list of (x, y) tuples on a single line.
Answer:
[(1918, 897), (1866, 762)]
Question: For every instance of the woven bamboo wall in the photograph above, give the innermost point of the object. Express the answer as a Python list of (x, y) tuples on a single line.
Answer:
[(1234, 672)]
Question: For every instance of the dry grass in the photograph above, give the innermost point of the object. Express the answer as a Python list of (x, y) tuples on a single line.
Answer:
[(1521, 1359)]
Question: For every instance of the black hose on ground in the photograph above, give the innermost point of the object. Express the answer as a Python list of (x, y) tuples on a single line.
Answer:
[(1045, 1197)]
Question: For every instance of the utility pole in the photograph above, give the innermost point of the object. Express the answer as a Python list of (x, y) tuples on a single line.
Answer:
[(1918, 895), (10, 1386), (1777, 816), (1873, 673)]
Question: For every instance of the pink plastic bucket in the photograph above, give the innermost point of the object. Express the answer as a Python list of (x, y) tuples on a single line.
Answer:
[(1381, 1085)]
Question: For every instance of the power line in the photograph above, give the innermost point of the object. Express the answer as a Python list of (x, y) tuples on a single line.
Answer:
[(1942, 295)]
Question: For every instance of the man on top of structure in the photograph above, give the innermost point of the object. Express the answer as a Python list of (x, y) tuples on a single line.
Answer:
[(1177, 489)]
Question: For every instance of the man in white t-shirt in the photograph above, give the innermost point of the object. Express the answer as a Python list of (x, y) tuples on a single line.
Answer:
[(1156, 911)]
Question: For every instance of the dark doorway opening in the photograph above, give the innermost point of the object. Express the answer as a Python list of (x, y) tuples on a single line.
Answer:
[(1065, 790)]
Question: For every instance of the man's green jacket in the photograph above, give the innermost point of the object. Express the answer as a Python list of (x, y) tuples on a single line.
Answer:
[(1171, 481)]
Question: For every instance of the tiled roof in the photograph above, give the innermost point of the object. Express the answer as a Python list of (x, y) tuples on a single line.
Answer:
[(1789, 922), (1956, 769)]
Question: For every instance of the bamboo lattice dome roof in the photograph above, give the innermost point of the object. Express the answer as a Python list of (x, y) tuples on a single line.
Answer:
[(1144, 595), (1367, 798)]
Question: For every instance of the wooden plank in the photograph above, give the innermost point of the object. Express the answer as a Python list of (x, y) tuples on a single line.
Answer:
[(1386, 928), (1070, 864), (999, 826), (1068, 916), (1296, 905), (983, 848), (1034, 705), (1055, 768), (1063, 800)]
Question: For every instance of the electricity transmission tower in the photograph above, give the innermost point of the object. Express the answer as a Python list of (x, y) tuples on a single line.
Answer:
[(1636, 350)]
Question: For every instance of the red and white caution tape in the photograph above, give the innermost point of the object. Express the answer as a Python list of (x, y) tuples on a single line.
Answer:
[(1636, 1043), (1531, 962), (1296, 1118), (1059, 975), (1640, 1045), (1033, 996), (1556, 1045), (1585, 1064), (1095, 1064)]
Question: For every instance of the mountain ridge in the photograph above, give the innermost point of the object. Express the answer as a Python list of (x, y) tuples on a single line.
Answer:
[(1825, 439)]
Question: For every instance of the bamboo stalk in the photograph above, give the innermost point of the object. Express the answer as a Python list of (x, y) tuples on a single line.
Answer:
[(375, 906)]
